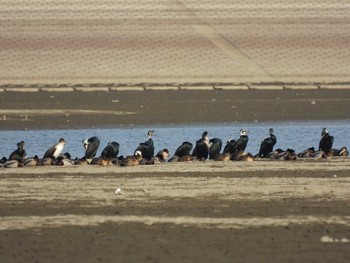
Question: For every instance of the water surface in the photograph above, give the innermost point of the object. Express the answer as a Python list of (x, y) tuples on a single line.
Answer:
[(295, 135)]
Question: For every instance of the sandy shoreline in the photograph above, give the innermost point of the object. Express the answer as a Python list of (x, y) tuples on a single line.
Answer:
[(264, 165), (290, 209)]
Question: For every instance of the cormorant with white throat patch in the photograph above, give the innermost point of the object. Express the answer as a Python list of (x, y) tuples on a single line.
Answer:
[(326, 142)]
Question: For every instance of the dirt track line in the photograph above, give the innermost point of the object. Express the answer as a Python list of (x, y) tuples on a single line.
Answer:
[(28, 222), (228, 48)]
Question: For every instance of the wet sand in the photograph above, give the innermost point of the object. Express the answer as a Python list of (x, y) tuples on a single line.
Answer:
[(77, 109)]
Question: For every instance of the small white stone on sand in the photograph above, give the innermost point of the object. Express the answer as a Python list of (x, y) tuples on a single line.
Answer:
[(118, 191), (345, 240), (326, 239)]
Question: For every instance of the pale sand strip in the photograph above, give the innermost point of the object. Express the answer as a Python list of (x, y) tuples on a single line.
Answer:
[(128, 88), (335, 87), (165, 87), (161, 88), (29, 222), (301, 87), (272, 87), (66, 111), (65, 89), (22, 89), (196, 88), (90, 89), (231, 87)]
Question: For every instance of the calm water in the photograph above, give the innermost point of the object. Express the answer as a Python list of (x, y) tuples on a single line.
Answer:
[(295, 135)]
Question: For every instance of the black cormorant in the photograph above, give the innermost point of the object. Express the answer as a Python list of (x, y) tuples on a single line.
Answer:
[(326, 141), (19, 153), (201, 150), (267, 145), (111, 150), (215, 147), (147, 148), (91, 146)]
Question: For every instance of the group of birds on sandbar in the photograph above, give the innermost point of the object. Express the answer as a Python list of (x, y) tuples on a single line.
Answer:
[(204, 148)]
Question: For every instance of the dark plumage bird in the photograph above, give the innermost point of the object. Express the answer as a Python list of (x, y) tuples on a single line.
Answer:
[(275, 154), (132, 160), (290, 155), (184, 149), (102, 161), (91, 146), (187, 158), (343, 151), (55, 150), (246, 157), (64, 160), (201, 151), (12, 164), (47, 161), (267, 145), (81, 161), (242, 142), (147, 148), (309, 152), (326, 141), (223, 157), (287, 155), (3, 160), (31, 161), (236, 148), (322, 155), (215, 147), (65, 155), (111, 150), (162, 155), (230, 144), (19, 153), (182, 152)]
